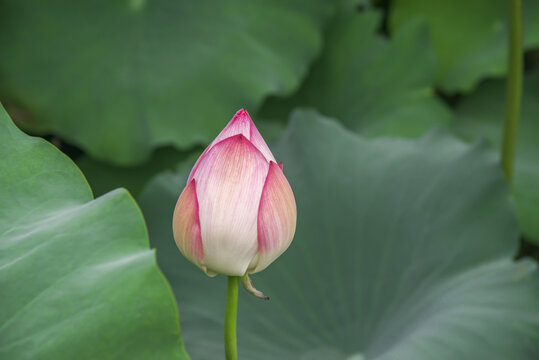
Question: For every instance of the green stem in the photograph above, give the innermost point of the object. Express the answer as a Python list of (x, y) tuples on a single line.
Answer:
[(231, 314), (514, 88)]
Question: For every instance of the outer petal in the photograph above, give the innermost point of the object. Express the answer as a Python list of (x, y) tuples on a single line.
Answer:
[(229, 180), (186, 226), (242, 124), (276, 219)]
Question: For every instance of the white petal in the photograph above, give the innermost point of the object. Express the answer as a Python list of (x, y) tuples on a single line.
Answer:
[(230, 179)]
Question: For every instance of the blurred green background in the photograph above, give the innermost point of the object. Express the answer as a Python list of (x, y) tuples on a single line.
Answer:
[(388, 117)]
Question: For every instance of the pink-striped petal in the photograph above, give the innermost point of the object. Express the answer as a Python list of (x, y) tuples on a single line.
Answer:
[(242, 124), (276, 219), (186, 226), (230, 179)]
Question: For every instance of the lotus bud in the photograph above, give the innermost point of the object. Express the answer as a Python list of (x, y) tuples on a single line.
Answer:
[(237, 213)]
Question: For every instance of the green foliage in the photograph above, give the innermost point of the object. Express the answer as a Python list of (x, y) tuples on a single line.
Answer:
[(119, 78), (105, 177), (406, 236), (469, 37), (403, 251), (78, 280), (481, 115), (374, 86)]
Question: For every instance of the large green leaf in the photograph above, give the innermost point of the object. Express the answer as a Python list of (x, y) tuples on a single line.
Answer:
[(403, 251), (482, 114), (78, 280), (120, 77), (373, 85), (469, 37)]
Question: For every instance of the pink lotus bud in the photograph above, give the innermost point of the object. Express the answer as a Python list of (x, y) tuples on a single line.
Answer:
[(237, 213)]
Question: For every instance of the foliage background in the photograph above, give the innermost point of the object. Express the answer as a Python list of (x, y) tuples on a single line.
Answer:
[(387, 116)]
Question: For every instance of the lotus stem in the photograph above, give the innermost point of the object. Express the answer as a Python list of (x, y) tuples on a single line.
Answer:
[(231, 314), (514, 88)]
